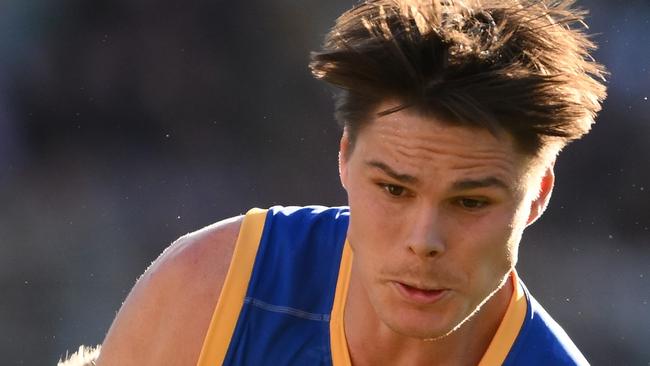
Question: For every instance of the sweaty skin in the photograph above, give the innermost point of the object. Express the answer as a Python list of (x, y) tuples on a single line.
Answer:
[(437, 213)]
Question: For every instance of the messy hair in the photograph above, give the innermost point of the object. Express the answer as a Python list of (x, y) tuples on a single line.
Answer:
[(522, 66)]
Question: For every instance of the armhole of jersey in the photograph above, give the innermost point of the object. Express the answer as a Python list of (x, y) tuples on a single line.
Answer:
[(231, 299), (509, 328), (338, 342)]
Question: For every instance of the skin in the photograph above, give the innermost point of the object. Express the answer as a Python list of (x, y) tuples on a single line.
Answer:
[(433, 207), (165, 317)]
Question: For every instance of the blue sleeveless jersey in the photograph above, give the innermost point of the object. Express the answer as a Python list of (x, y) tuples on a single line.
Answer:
[(285, 313)]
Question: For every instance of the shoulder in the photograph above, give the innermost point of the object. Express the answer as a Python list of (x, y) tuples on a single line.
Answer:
[(200, 258), (203, 254), (173, 299), (542, 341)]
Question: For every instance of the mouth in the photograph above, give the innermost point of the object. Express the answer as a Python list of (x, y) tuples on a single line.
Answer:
[(424, 296)]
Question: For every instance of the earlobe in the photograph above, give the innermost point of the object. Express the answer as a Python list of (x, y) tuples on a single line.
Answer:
[(539, 204)]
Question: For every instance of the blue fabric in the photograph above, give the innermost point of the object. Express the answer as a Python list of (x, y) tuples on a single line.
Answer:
[(541, 341), (285, 317), (286, 312)]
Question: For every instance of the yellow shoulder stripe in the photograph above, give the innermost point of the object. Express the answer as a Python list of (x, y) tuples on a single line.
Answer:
[(339, 344), (231, 299), (509, 328)]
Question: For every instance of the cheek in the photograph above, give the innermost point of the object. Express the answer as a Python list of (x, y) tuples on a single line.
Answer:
[(374, 229), (519, 223), (371, 216), (490, 246)]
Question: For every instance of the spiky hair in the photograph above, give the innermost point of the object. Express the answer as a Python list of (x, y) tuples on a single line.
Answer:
[(522, 66)]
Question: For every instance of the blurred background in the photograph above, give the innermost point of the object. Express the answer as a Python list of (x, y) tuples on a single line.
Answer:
[(126, 124)]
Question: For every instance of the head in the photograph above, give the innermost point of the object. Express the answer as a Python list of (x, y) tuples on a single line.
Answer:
[(453, 113)]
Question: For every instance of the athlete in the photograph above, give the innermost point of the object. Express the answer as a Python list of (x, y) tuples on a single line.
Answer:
[(453, 113)]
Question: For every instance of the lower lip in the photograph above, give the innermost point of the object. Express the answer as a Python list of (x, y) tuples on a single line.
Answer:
[(415, 295)]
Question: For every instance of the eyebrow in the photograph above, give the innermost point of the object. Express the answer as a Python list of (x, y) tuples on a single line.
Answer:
[(404, 178), (461, 185), (487, 182)]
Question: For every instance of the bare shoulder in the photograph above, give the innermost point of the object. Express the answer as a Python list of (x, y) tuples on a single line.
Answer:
[(198, 254), (165, 317)]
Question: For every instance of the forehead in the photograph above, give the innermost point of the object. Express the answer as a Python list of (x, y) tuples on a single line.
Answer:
[(427, 146)]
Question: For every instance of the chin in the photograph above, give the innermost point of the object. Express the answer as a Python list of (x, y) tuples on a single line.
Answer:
[(418, 328), (430, 323), (421, 331), (422, 324)]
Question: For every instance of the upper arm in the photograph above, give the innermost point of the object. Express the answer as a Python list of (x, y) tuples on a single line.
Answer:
[(166, 315)]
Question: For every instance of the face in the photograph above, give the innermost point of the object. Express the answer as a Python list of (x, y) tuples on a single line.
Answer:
[(437, 212)]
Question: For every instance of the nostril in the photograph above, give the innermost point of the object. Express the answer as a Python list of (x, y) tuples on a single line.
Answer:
[(425, 250)]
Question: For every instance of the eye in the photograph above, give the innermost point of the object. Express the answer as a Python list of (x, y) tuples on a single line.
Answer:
[(472, 203), (394, 190)]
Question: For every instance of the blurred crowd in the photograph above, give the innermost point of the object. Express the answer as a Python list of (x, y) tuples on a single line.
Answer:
[(125, 124)]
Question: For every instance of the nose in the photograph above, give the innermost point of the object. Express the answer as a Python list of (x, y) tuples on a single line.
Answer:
[(426, 239)]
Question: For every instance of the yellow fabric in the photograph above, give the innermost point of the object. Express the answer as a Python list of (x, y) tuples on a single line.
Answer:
[(234, 290), (339, 344), (509, 328)]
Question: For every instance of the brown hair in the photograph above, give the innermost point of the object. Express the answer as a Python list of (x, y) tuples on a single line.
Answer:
[(522, 66)]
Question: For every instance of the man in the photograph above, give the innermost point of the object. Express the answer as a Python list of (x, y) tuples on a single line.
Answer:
[(453, 114)]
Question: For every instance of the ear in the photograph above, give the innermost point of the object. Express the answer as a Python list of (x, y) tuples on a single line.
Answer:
[(539, 204), (344, 150)]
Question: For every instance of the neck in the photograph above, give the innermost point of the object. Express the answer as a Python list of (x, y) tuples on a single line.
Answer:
[(371, 342)]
